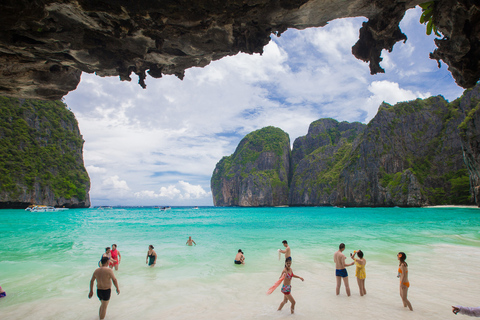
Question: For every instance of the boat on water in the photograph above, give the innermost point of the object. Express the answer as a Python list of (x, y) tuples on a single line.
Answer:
[(195, 207), (165, 208), (41, 208)]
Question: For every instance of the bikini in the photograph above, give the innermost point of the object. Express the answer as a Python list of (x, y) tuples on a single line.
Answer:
[(286, 289), (407, 284)]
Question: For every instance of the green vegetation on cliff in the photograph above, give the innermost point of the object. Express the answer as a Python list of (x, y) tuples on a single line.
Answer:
[(40, 146)]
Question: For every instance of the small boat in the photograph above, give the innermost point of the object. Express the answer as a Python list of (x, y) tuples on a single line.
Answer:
[(165, 208), (40, 208), (195, 207)]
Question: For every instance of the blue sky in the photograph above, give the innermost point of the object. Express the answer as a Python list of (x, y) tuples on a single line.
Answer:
[(159, 146)]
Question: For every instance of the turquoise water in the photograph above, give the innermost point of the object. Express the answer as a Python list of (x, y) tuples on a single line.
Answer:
[(46, 259)]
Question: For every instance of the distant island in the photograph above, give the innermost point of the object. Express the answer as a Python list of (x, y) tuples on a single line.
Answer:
[(412, 154), (41, 157)]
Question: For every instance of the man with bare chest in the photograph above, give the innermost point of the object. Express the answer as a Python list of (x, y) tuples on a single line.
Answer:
[(104, 276), (340, 269)]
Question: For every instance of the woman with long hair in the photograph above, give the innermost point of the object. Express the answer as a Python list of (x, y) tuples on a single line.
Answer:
[(403, 275)]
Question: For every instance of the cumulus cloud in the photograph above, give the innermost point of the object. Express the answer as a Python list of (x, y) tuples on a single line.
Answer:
[(183, 190), (176, 131)]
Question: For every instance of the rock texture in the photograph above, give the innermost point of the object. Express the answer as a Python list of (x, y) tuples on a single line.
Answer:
[(257, 173), (324, 147), (417, 153), (409, 155), (41, 158), (470, 135), (46, 44)]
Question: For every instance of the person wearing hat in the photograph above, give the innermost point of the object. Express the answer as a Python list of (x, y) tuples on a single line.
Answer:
[(239, 258)]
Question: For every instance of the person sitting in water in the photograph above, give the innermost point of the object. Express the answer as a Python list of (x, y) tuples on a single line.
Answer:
[(190, 241), (2, 293), (469, 311), (151, 257), (239, 258)]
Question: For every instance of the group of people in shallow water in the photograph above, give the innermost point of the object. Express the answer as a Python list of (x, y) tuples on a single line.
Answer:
[(104, 276)]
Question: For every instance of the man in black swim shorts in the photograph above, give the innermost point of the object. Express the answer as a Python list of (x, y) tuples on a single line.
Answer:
[(104, 276)]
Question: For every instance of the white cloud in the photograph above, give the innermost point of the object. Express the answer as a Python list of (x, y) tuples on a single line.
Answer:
[(389, 92), (115, 183), (183, 190), (176, 131)]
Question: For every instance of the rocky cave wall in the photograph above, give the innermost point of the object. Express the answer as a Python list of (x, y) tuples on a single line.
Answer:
[(45, 45)]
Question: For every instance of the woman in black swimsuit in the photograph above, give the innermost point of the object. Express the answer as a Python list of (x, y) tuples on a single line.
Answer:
[(151, 256)]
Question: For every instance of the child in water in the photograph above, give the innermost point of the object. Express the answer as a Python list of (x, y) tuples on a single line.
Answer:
[(286, 287)]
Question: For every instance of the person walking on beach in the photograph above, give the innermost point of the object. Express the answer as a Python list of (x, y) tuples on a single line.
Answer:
[(287, 251), (116, 257), (403, 275), (340, 269), (104, 276), (190, 241), (239, 258), (468, 311), (151, 257), (287, 274), (360, 270)]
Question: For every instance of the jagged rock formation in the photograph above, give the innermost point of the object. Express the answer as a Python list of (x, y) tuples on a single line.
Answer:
[(41, 158), (470, 135), (409, 155), (257, 173), (316, 158), (46, 44)]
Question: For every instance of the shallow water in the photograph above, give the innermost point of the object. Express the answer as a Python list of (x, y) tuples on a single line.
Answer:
[(46, 261)]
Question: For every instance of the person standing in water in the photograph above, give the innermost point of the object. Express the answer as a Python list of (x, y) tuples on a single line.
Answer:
[(340, 269), (287, 273), (360, 270), (239, 258), (190, 241), (403, 275), (116, 257), (151, 257), (287, 251), (104, 276)]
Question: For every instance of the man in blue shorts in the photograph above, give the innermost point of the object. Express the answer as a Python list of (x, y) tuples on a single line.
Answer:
[(340, 269)]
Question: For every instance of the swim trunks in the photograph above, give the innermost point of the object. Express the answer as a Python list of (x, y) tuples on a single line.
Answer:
[(104, 294), (286, 289), (341, 273), (237, 262)]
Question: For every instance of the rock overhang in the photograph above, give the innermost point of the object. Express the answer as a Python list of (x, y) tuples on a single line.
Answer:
[(45, 45)]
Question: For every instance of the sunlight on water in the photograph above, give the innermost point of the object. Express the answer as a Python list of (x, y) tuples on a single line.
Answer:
[(46, 261)]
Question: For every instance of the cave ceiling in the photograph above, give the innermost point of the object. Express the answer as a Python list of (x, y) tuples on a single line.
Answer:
[(46, 45)]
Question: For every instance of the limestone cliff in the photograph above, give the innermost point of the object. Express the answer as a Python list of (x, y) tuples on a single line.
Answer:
[(41, 158), (317, 159), (409, 155), (45, 45), (257, 173), (470, 135)]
